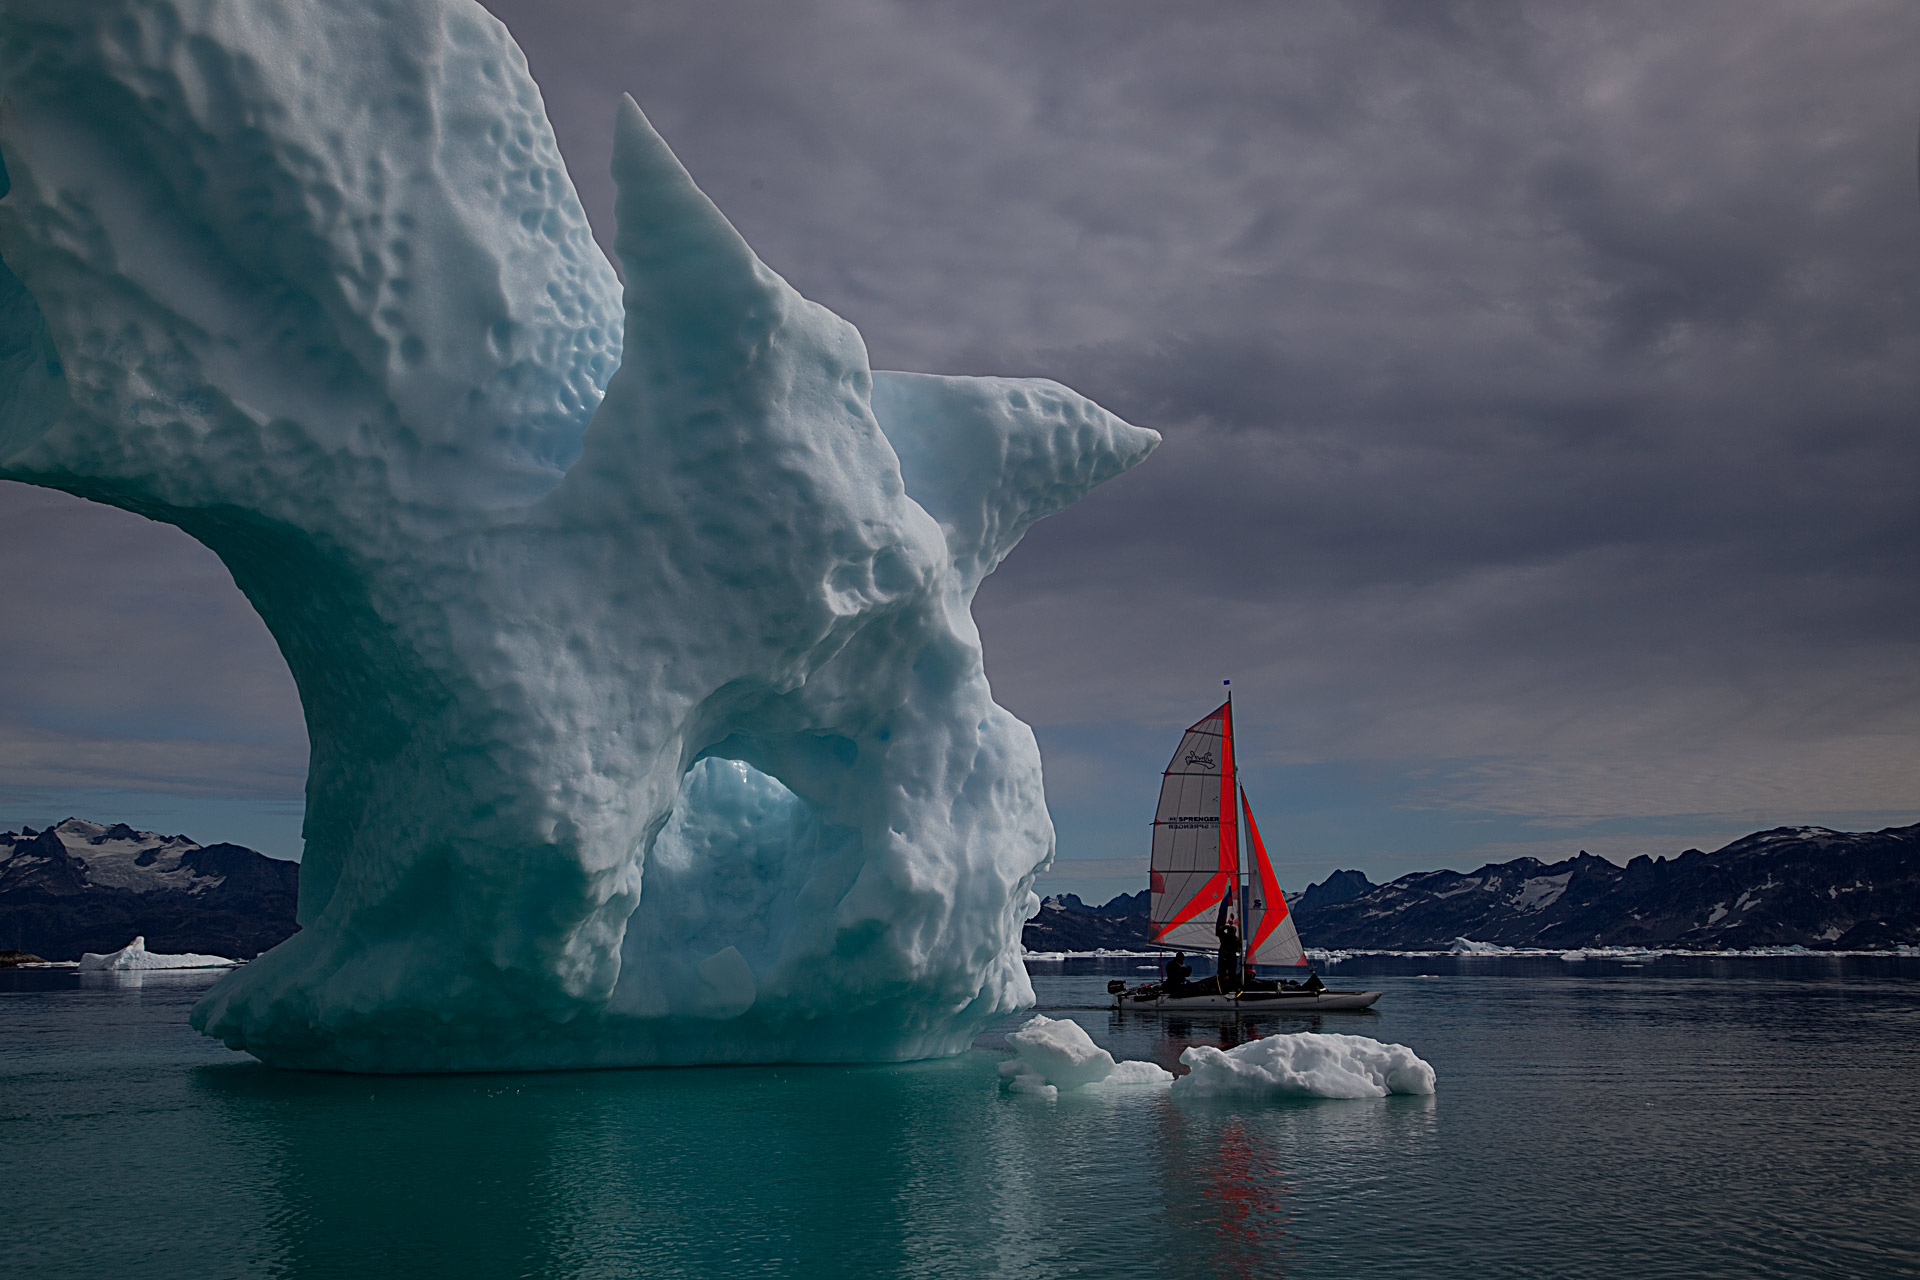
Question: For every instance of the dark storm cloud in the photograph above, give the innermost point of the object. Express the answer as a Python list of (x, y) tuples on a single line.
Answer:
[(1538, 381)]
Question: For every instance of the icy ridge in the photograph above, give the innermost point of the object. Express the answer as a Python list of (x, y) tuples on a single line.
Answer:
[(648, 719), (135, 956)]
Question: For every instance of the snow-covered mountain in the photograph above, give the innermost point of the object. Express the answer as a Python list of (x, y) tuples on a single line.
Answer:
[(1067, 924), (1804, 886), (80, 886)]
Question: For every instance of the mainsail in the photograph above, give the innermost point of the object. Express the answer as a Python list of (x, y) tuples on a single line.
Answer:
[(1271, 937), (1196, 846)]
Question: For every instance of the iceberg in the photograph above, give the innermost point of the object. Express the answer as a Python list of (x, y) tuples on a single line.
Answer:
[(1305, 1064), (631, 624), (1469, 947), (135, 957), (1057, 1053)]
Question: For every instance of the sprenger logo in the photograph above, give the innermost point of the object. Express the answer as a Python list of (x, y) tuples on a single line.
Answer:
[(1204, 761)]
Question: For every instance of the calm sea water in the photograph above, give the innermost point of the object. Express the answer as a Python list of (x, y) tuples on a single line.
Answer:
[(1688, 1118)]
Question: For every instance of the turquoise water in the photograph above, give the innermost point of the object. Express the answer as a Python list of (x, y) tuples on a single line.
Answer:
[(1689, 1118)]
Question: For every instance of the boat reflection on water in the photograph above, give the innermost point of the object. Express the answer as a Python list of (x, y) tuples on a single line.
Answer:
[(1222, 1176), (1179, 1032)]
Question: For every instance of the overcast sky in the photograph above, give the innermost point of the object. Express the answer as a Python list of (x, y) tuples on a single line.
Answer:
[(1538, 385)]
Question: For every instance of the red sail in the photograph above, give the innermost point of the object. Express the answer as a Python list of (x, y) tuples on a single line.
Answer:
[(1271, 936)]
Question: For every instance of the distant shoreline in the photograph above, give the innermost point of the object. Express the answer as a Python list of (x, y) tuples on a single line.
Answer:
[(1571, 955)]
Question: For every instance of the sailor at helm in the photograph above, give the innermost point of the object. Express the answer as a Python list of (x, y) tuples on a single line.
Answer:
[(1229, 966)]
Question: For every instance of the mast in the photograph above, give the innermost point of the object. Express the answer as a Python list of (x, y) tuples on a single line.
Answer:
[(1226, 802), (1246, 883), (1232, 902)]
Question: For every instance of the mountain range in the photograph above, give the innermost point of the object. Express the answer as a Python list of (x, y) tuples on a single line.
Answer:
[(78, 886), (1804, 886)]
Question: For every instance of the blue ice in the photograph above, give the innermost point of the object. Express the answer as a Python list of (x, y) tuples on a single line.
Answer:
[(648, 717)]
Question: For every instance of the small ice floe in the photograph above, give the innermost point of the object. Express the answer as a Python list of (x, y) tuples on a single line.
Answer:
[(1058, 1054), (1612, 953), (1305, 1064), (136, 956), (1468, 947)]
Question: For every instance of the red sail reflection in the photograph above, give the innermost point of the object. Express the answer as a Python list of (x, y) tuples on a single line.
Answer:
[(1225, 1184)]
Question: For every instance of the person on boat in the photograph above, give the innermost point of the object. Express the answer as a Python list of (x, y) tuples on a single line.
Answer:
[(1178, 971), (1314, 984), (1229, 967)]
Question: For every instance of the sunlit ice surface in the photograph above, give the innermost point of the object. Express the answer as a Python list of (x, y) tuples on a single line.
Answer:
[(1689, 1118)]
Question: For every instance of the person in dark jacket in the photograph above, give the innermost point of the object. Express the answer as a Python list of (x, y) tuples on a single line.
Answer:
[(1178, 971), (1229, 969)]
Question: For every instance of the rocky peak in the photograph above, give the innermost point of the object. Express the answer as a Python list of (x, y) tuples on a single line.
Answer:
[(43, 864), (1341, 886)]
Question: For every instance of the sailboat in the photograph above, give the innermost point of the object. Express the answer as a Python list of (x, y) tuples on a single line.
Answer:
[(1202, 884)]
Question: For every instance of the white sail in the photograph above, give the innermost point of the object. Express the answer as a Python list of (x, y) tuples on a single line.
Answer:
[(1195, 838)]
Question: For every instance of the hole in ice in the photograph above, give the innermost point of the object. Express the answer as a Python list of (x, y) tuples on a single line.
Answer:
[(725, 891)]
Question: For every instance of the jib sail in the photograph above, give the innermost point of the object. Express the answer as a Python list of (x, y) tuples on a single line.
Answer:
[(1271, 937)]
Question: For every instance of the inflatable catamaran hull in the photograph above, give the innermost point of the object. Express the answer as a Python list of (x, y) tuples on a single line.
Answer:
[(1255, 1002)]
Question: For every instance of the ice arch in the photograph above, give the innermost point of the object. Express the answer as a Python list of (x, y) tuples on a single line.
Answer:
[(648, 718)]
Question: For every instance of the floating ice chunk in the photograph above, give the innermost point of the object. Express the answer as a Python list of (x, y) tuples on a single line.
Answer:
[(1468, 947), (1060, 1051), (1058, 1054), (1305, 1064), (1571, 956), (1132, 1071), (136, 956)]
